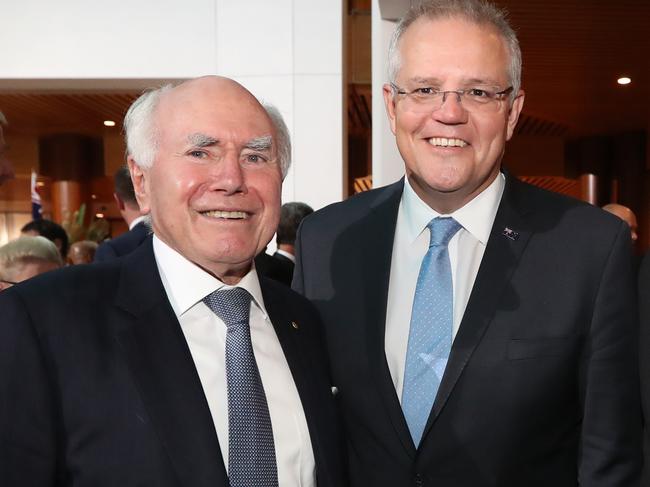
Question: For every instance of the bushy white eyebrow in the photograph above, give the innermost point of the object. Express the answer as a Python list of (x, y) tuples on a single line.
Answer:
[(262, 143)]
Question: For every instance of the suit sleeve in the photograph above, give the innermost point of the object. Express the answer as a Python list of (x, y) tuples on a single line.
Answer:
[(27, 417), (611, 428)]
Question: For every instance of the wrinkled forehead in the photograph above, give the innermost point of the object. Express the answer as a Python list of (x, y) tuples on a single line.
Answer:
[(229, 113)]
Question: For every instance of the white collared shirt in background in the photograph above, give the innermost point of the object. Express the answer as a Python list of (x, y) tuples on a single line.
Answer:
[(137, 220), (186, 285), (411, 243), (288, 255)]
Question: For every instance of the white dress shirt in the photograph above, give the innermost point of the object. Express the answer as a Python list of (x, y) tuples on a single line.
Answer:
[(411, 243), (136, 220), (288, 255), (186, 285)]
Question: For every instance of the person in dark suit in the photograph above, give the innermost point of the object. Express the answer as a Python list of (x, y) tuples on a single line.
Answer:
[(279, 266), (482, 332), (130, 210), (175, 365)]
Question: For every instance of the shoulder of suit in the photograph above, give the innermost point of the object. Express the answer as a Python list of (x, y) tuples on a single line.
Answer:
[(354, 208)]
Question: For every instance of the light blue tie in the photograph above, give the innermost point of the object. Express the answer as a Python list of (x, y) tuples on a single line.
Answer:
[(251, 451), (431, 328)]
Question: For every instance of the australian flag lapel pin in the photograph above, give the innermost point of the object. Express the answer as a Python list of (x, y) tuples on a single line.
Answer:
[(510, 233)]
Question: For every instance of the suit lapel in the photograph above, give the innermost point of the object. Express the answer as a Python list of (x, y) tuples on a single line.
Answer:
[(377, 232), (164, 372), (299, 361), (508, 238)]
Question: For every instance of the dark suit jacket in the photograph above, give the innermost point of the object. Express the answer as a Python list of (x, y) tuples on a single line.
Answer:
[(273, 268), (98, 386), (122, 245), (644, 357), (541, 387)]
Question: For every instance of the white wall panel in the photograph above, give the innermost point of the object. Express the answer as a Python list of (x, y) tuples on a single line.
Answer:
[(317, 24), (254, 37), (318, 139), (120, 39)]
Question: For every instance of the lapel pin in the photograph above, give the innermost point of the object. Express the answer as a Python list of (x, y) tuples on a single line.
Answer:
[(511, 234), (295, 325)]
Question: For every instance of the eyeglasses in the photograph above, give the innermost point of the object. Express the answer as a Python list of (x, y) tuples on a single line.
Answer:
[(427, 99)]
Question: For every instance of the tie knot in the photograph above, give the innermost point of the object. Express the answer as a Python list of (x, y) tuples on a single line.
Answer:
[(442, 230), (231, 305)]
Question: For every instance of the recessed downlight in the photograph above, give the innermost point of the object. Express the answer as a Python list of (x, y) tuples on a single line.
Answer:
[(109, 123), (624, 80)]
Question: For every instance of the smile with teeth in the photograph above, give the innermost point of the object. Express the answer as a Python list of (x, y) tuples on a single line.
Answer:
[(444, 142), (228, 215)]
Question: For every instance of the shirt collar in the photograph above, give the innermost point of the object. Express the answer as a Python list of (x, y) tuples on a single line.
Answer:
[(137, 220), (287, 255), (477, 216), (187, 284)]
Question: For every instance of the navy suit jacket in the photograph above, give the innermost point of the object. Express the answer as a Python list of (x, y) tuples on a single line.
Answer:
[(541, 388), (98, 386), (122, 245)]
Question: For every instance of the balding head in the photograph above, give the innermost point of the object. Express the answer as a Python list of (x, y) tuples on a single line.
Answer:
[(625, 214), (212, 185)]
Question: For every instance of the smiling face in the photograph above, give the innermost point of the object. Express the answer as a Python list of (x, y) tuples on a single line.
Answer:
[(451, 154), (213, 191)]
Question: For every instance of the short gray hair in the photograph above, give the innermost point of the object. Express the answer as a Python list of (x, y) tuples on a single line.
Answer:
[(479, 12), (141, 133), (24, 250), (140, 126), (283, 142)]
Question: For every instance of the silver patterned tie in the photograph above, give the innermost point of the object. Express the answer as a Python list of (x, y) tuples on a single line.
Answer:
[(251, 458), (430, 333)]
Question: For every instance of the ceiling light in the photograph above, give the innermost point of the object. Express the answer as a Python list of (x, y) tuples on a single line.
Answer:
[(99, 215), (624, 81), (109, 123)]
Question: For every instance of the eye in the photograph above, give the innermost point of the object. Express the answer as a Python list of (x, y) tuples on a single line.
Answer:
[(198, 154), (479, 93), (424, 91), (254, 158)]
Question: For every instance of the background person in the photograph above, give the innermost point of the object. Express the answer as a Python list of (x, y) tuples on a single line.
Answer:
[(50, 230), (130, 210), (26, 257)]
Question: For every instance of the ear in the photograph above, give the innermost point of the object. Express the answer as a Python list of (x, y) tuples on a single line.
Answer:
[(513, 114), (389, 101), (118, 202), (140, 179)]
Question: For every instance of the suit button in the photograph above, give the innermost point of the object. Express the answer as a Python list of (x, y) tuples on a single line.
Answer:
[(418, 480)]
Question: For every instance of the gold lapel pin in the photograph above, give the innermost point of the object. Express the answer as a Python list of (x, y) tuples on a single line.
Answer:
[(295, 325)]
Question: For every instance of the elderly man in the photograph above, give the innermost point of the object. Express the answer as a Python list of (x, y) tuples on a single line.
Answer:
[(175, 365), (482, 332), (27, 257), (6, 170)]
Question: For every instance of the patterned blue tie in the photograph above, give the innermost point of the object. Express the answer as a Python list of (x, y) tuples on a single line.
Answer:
[(431, 328), (251, 457)]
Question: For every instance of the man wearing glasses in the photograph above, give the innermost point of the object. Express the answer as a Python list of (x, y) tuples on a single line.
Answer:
[(481, 330)]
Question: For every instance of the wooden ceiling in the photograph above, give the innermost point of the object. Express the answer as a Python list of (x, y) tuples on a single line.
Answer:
[(574, 50)]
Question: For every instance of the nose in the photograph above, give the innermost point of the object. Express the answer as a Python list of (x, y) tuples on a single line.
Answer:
[(228, 175), (451, 110)]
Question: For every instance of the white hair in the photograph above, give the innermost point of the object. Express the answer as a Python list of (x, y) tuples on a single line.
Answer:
[(283, 142), (479, 12), (141, 131), (25, 250), (140, 126)]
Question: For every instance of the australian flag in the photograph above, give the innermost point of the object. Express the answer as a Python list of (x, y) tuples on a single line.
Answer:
[(37, 209)]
